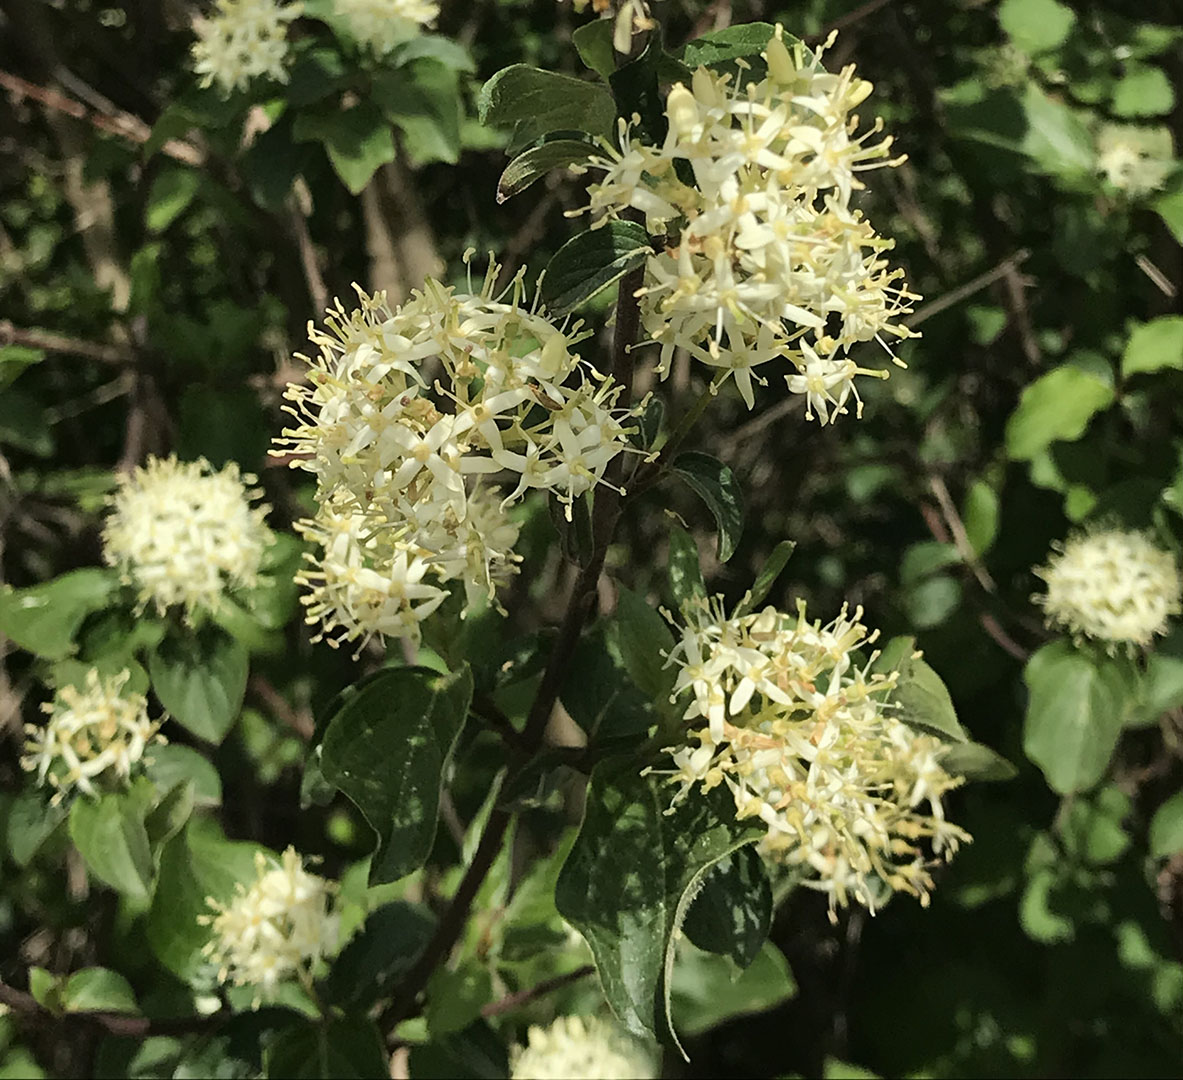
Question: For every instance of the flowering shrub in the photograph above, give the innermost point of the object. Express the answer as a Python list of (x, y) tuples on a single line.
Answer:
[(484, 343)]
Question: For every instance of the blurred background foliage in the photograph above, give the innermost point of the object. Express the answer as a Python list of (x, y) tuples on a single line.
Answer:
[(162, 249)]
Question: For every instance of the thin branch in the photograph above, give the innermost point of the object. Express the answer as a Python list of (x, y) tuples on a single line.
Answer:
[(297, 220), (523, 997), (960, 536), (963, 292), (298, 720), (848, 20), (60, 343)]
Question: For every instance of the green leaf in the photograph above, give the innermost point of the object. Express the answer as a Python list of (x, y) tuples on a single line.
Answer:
[(684, 572), (599, 694), (14, 359), (921, 698), (387, 749), (981, 514), (593, 42), (1074, 716), (769, 572), (1056, 406), (1166, 828), (716, 485), (32, 819), (1170, 209), (172, 191), (642, 639), (44, 986), (423, 100), (98, 989), (1036, 26), (977, 762), (535, 102), (168, 817), (370, 966), (591, 261), (1092, 829), (732, 913), (200, 678), (630, 876), (110, 836), (708, 990), (1144, 90), (731, 43), (196, 864), (335, 1049), (1162, 685), (45, 618), (173, 764), (455, 998), (1154, 346), (358, 141), (1055, 137), (25, 423), (536, 162)]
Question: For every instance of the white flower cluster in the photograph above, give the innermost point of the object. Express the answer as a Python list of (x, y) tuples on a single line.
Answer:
[(95, 733), (277, 927), (1136, 160), (407, 412), (763, 255), (582, 1048), (182, 533), (806, 740), (1115, 586), (242, 40), (380, 25)]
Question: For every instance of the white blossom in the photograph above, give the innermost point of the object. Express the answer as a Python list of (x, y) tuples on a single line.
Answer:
[(806, 739), (381, 25), (763, 258), (582, 1048), (275, 928), (241, 41), (95, 735), (182, 534), (408, 415), (1112, 585), (1136, 160)]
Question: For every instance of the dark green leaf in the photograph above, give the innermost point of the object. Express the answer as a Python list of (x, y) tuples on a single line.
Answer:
[(168, 817), (200, 678), (743, 40), (1074, 716), (535, 102), (335, 1049), (14, 359), (631, 874), (599, 694), (769, 572), (685, 574), (32, 819), (455, 998), (172, 764), (977, 762), (922, 700), (387, 749), (716, 485), (593, 42), (709, 989), (536, 162), (357, 140), (423, 101), (378, 956), (635, 88), (476, 1053), (732, 913), (110, 836), (642, 639), (196, 864), (591, 261), (45, 618)]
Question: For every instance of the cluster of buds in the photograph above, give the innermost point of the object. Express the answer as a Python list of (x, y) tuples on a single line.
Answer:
[(807, 741), (243, 40), (575, 1046), (182, 534), (763, 255), (1113, 586), (407, 414), (381, 25), (93, 738), (277, 927)]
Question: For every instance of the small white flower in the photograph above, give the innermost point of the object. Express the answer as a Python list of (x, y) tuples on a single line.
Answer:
[(241, 41), (583, 1048), (1115, 586), (94, 734), (183, 534), (277, 927), (1136, 160), (381, 25), (808, 742)]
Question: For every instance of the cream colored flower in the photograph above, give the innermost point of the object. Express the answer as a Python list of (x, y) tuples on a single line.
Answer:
[(241, 41), (807, 740), (94, 735), (1111, 585), (408, 414), (764, 260), (1136, 160), (183, 534), (274, 929), (381, 25), (582, 1048)]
